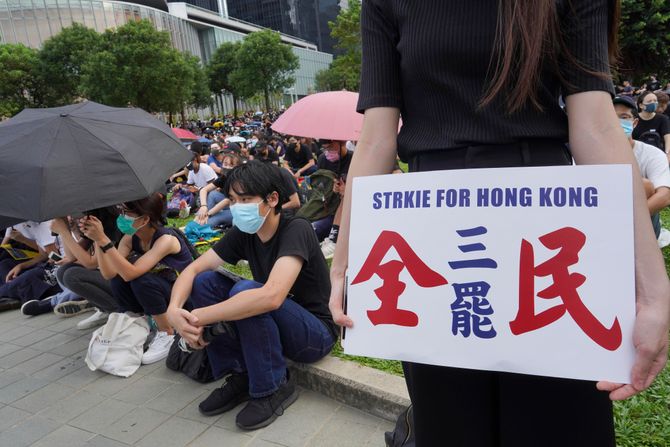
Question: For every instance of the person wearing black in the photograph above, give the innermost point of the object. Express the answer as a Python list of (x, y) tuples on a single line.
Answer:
[(282, 313), (299, 157), (652, 128), (447, 66), (265, 152)]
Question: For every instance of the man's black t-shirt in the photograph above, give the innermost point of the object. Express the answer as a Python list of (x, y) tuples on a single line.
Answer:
[(298, 159), (652, 131), (339, 167), (269, 158), (294, 237)]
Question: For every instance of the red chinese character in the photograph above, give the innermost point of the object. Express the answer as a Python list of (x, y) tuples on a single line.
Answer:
[(392, 287), (569, 241)]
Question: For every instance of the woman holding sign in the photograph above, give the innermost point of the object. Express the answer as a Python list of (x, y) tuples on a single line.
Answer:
[(478, 84)]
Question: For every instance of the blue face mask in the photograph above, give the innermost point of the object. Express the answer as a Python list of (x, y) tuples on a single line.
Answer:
[(247, 218), (650, 108), (627, 127), (125, 224)]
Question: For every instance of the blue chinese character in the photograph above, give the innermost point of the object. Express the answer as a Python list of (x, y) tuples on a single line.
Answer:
[(469, 310), (485, 263)]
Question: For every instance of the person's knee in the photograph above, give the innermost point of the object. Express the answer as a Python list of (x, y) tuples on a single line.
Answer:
[(242, 285)]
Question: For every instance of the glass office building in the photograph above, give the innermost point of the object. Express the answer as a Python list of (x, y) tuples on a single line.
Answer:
[(193, 29)]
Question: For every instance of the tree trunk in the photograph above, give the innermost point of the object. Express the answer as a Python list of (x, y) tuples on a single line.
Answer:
[(267, 99), (234, 106), (170, 118), (183, 117)]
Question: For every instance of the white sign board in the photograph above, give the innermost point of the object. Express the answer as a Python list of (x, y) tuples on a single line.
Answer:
[(526, 270)]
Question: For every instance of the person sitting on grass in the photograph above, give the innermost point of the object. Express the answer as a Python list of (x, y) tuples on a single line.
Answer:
[(282, 313), (142, 286)]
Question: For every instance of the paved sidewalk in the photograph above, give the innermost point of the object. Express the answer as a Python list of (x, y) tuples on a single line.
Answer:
[(48, 397)]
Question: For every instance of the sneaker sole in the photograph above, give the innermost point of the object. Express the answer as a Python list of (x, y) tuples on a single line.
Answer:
[(73, 308), (232, 404), (284, 405)]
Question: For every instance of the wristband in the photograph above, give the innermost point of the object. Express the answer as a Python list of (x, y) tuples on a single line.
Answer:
[(106, 247)]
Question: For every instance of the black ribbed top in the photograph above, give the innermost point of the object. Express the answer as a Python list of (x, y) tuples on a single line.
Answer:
[(430, 59)]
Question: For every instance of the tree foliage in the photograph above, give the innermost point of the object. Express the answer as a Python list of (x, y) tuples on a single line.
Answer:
[(222, 65), (644, 37), (264, 64), (345, 71), (61, 60), (138, 66), (17, 78)]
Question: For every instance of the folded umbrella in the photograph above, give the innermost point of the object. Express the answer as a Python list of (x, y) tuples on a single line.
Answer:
[(66, 160)]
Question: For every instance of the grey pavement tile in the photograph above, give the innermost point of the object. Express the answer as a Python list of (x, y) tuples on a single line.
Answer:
[(41, 321), (65, 436), (9, 377), (38, 363), (348, 426), (64, 325), (50, 343), (60, 368), (258, 442), (101, 441), (21, 388), (9, 316), (15, 332), (220, 436), (148, 370), (109, 385), (10, 416), (97, 418), (175, 432), (75, 405), (178, 396), (302, 420), (44, 397), (192, 413), (81, 377), (27, 432), (76, 345), (8, 348), (34, 336), (20, 356), (134, 425), (142, 390), (164, 373)]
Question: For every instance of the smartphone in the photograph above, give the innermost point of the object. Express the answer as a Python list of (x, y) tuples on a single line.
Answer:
[(55, 257)]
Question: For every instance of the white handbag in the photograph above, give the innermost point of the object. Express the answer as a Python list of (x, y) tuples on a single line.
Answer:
[(117, 347)]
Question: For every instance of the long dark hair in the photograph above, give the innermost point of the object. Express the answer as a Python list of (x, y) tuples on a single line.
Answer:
[(528, 33)]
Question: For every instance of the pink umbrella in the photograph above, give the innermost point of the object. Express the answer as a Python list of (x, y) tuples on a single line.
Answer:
[(184, 134), (327, 115)]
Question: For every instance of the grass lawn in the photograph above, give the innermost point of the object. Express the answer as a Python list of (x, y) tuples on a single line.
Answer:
[(643, 421)]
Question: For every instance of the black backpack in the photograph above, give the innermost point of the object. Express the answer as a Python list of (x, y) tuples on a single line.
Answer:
[(651, 137), (403, 433)]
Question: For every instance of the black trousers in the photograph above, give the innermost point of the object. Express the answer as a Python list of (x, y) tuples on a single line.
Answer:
[(468, 408)]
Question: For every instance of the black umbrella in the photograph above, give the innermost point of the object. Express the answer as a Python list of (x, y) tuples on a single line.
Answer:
[(65, 160)]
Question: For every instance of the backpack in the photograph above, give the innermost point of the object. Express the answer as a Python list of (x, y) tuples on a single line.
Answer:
[(651, 137), (184, 240), (403, 433), (322, 201)]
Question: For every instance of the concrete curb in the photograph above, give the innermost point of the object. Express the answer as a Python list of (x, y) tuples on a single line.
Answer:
[(370, 390)]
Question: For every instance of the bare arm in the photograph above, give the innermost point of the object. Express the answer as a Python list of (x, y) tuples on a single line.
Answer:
[(596, 138), (658, 200)]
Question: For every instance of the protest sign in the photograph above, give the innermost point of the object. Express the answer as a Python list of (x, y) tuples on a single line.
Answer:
[(527, 270)]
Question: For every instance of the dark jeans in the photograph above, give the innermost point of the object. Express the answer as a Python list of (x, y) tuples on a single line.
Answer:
[(469, 408), (322, 227), (147, 294), (260, 343), (29, 285), (6, 264), (90, 285)]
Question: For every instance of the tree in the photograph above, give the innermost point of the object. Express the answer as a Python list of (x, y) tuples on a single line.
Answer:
[(644, 37), (60, 64), (137, 66), (345, 71), (17, 78), (220, 68), (264, 64)]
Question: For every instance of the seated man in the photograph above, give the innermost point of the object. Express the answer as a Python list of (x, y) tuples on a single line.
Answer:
[(283, 312), (199, 176), (299, 158), (653, 163)]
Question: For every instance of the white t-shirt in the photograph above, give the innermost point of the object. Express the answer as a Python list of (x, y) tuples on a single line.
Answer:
[(653, 164), (204, 175), (35, 231)]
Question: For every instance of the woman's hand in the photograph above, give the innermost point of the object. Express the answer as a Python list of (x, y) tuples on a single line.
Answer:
[(60, 226), (13, 273), (186, 324), (92, 228), (336, 303), (201, 216)]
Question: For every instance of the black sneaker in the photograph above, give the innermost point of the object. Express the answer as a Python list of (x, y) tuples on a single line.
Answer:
[(7, 303), (36, 307), (261, 412), (233, 392)]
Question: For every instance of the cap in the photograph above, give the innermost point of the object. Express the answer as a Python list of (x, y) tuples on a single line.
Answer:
[(625, 101)]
